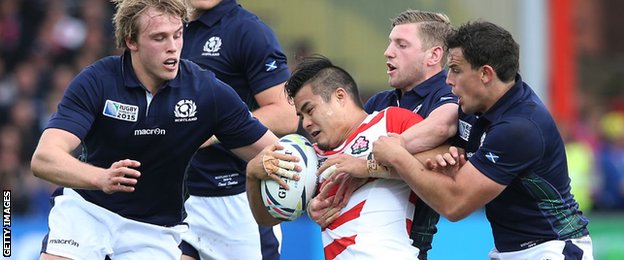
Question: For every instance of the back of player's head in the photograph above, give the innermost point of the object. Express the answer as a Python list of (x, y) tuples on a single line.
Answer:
[(324, 78), (126, 18), (484, 43), (433, 27)]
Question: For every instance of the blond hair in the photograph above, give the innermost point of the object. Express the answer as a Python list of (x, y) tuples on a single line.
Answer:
[(433, 27), (126, 18)]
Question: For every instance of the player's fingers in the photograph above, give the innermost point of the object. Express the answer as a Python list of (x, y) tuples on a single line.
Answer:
[(326, 187), (286, 173), (449, 159), (440, 160), (325, 174), (332, 218), (279, 181), (286, 164), (128, 172), (122, 188), (462, 160), (430, 164), (284, 157), (125, 163)]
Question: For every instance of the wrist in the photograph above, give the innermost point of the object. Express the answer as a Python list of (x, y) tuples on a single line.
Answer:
[(377, 170)]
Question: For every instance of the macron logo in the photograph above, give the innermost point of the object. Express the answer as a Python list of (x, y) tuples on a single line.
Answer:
[(70, 242)]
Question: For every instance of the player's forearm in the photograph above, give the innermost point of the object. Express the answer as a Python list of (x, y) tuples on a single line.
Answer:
[(60, 168), (280, 118), (261, 215), (433, 130), (436, 189)]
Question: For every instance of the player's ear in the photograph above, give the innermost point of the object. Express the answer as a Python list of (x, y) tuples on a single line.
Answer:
[(487, 74), (131, 44), (341, 94)]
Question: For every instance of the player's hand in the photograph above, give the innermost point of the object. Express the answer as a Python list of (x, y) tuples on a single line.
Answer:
[(120, 177), (352, 165), (341, 186), (320, 210), (269, 164), (447, 163), (387, 148)]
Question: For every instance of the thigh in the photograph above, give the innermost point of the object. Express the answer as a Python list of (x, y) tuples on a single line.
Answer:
[(222, 227), (146, 241), (78, 229)]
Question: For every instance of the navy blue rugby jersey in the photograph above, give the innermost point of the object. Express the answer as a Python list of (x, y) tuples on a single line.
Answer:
[(423, 99), (516, 143), (117, 118), (244, 53)]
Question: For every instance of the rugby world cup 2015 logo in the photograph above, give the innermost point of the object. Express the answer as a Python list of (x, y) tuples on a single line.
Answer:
[(121, 111), (185, 111)]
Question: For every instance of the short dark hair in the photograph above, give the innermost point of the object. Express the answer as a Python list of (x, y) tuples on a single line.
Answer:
[(324, 78), (484, 43)]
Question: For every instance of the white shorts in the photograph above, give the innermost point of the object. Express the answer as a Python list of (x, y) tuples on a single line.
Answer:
[(82, 230), (223, 227), (552, 250)]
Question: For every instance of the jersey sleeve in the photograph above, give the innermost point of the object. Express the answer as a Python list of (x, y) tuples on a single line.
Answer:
[(398, 119), (262, 58), (235, 125), (79, 106), (509, 148)]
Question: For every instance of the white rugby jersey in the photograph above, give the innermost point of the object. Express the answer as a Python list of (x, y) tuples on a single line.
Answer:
[(375, 223)]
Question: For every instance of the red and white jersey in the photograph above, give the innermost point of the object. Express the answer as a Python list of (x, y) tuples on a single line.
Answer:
[(375, 223)]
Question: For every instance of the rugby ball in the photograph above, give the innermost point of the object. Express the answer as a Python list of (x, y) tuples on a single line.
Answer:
[(290, 204)]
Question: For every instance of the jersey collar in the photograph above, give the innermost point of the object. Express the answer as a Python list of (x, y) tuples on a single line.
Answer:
[(511, 98), (212, 16), (426, 87)]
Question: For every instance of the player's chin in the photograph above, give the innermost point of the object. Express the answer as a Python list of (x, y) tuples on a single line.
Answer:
[(169, 75)]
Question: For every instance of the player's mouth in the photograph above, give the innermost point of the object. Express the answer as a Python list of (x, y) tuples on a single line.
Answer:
[(391, 67), (171, 64), (314, 134)]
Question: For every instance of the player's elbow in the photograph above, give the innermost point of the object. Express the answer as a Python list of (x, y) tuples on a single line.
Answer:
[(455, 211), (37, 164), (454, 216)]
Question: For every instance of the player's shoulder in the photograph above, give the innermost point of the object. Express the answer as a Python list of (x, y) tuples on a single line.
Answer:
[(382, 94)]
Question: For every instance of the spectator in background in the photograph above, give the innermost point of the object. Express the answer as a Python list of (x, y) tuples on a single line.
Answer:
[(611, 162), (581, 166)]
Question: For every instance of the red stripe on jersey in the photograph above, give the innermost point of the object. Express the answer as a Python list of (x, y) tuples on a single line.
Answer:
[(349, 215), (337, 246), (413, 198), (399, 119), (408, 225)]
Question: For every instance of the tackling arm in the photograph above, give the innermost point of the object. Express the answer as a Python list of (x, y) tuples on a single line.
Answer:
[(275, 112), (53, 162), (455, 194), (433, 131)]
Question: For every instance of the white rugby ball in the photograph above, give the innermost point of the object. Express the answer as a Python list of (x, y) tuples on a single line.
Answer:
[(290, 204)]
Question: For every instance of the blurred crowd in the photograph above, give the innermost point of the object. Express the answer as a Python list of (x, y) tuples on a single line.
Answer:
[(45, 43)]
